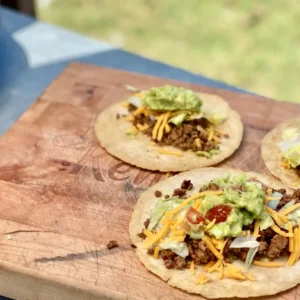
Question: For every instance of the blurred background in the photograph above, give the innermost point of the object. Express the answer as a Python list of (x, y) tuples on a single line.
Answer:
[(251, 44)]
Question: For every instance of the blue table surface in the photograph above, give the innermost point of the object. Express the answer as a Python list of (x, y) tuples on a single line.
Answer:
[(22, 81)]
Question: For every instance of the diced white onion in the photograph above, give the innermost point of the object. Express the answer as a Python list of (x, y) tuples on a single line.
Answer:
[(244, 242), (131, 88), (152, 118), (136, 101), (274, 203)]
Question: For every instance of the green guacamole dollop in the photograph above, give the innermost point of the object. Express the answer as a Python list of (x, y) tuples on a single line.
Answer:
[(247, 205), (171, 98)]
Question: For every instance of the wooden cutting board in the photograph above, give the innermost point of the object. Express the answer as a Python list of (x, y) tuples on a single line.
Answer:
[(63, 197)]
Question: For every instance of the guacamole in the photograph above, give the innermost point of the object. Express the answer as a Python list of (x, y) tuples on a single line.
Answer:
[(244, 199), (170, 98)]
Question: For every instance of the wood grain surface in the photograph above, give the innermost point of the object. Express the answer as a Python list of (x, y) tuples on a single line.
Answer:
[(63, 197)]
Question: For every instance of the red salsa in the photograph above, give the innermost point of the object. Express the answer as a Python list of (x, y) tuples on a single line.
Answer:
[(219, 212), (194, 217)]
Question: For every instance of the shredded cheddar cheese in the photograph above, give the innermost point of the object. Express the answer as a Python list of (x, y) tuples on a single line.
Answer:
[(197, 142), (269, 192), (197, 204), (207, 240), (275, 216), (294, 183), (156, 252), (192, 268), (293, 256), (139, 111), (220, 271), (281, 232), (285, 165), (289, 210), (268, 264), (125, 104), (176, 153), (249, 276), (216, 139), (162, 127), (291, 239), (256, 228), (209, 265), (223, 245), (147, 232), (177, 232), (202, 279), (129, 118), (233, 272), (156, 127), (178, 238), (214, 267), (210, 225), (167, 128), (211, 134)]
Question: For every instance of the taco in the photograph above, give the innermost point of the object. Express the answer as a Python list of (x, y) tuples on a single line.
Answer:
[(220, 233), (170, 129), (281, 152)]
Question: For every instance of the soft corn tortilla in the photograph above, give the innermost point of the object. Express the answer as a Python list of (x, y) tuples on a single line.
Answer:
[(268, 280), (140, 150), (272, 156)]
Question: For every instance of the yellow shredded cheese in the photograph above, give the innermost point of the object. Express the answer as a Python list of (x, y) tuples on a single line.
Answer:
[(140, 127), (233, 272), (268, 264), (197, 204), (207, 240), (220, 271), (139, 111), (220, 132), (249, 276), (178, 238), (138, 95), (129, 118), (293, 255), (156, 127), (274, 215), (192, 268), (167, 128), (156, 252), (177, 232), (281, 232), (169, 152), (291, 239), (197, 142), (223, 245), (216, 139), (210, 225), (149, 241), (147, 232), (294, 183), (188, 200), (269, 192), (214, 267), (202, 130), (285, 165), (202, 279), (209, 265), (162, 127), (256, 228), (211, 134), (289, 210)]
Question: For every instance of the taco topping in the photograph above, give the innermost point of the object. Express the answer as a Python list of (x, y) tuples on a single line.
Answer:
[(172, 116), (290, 148), (229, 219)]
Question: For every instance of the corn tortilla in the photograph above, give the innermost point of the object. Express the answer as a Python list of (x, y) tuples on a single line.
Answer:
[(140, 150), (268, 281), (272, 156)]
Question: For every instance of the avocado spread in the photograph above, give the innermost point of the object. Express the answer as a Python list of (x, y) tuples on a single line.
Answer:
[(245, 199), (171, 98)]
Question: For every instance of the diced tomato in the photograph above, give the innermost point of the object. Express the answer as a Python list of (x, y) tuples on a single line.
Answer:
[(194, 217), (219, 212)]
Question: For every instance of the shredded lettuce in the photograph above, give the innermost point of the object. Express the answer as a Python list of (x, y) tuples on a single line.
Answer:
[(178, 120), (180, 248), (250, 256)]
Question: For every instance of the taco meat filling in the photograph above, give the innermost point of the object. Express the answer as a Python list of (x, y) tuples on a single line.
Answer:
[(233, 218), (183, 126)]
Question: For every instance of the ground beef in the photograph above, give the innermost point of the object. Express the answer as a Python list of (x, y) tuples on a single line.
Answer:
[(262, 250), (131, 107), (180, 262), (199, 252), (157, 194), (234, 253), (169, 263), (277, 246), (266, 235), (112, 244), (146, 223), (287, 198), (142, 235), (167, 196), (150, 251), (179, 192), (133, 246), (186, 185), (210, 187), (238, 188)]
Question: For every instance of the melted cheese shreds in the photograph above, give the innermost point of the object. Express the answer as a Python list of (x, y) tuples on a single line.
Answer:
[(256, 229), (207, 240), (162, 127), (192, 268), (156, 127), (291, 239), (149, 241), (188, 200), (209, 265), (169, 152), (233, 272), (281, 232), (289, 210), (210, 225), (156, 252), (202, 279), (268, 264)]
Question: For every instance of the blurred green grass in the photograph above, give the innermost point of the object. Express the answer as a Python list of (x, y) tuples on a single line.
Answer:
[(248, 43)]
